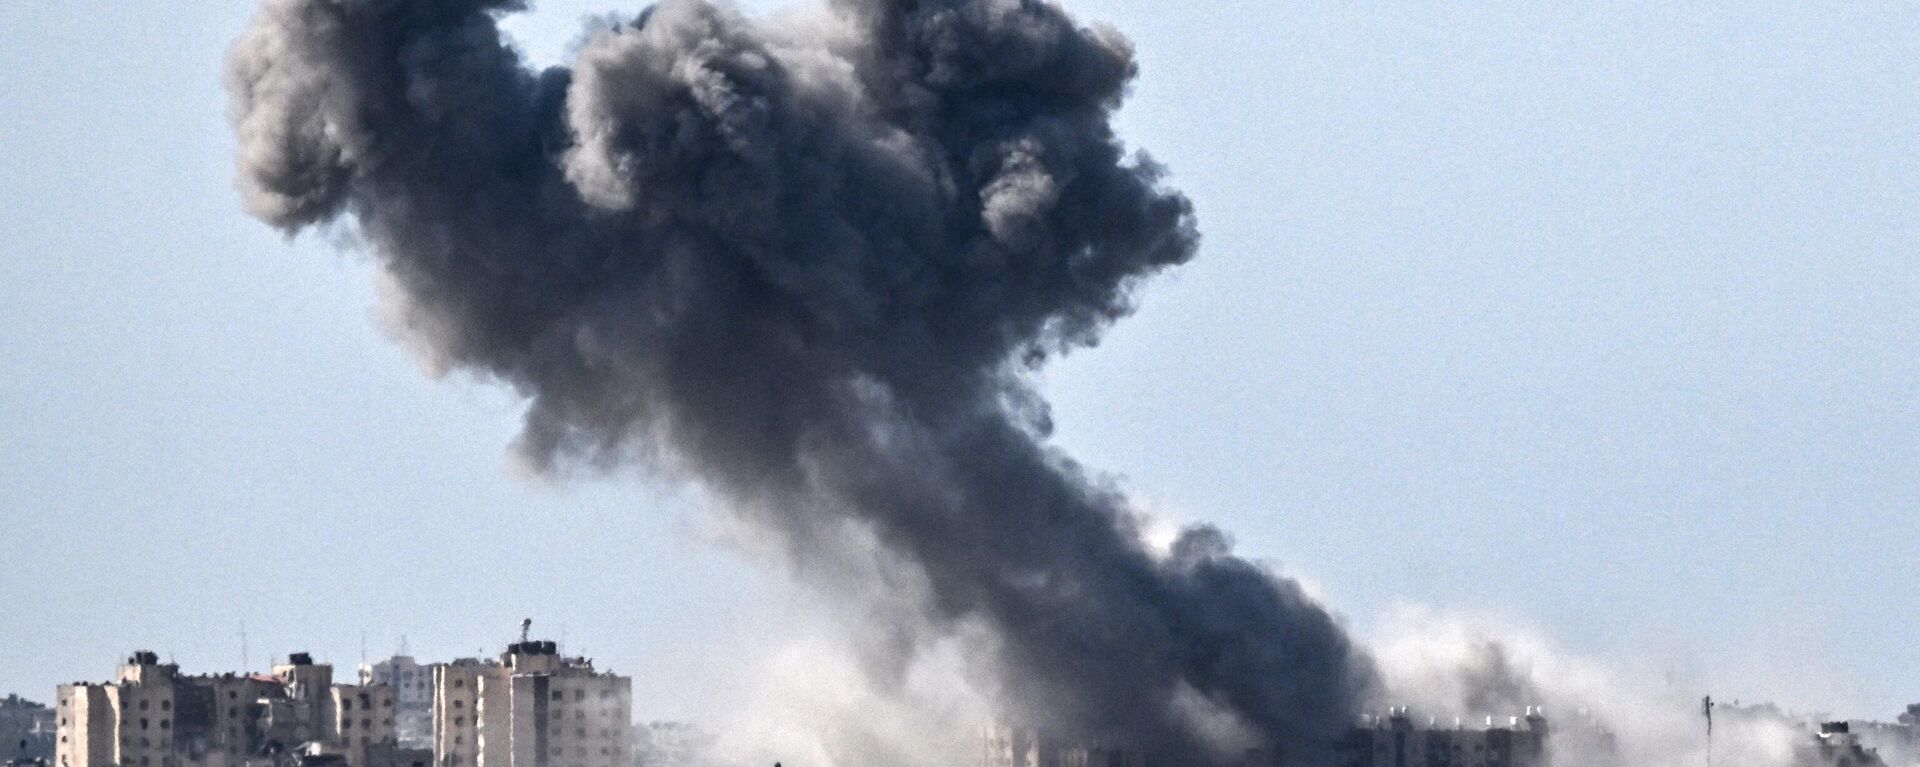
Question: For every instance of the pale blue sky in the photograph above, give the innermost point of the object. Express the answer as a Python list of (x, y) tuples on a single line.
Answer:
[(1601, 318)]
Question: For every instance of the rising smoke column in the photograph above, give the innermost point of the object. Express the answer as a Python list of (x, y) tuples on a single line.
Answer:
[(809, 261)]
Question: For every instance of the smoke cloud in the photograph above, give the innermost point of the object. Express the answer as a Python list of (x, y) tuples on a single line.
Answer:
[(810, 262), (1444, 666)]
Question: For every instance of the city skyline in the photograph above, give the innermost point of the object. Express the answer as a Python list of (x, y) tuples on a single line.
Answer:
[(1596, 327)]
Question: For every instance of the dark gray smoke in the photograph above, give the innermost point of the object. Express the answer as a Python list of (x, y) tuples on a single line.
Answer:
[(811, 262)]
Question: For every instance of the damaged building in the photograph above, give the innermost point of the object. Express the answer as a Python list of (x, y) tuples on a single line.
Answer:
[(151, 715)]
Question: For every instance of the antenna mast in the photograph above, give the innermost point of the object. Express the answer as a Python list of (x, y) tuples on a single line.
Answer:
[(1706, 708)]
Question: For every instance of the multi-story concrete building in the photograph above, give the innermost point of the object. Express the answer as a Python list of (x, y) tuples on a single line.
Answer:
[(26, 730), (531, 708), (1395, 740), (153, 716), (363, 720), (412, 685)]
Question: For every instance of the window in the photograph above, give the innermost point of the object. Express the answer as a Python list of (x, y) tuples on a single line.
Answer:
[(346, 705), (346, 724), (166, 705), (557, 695), (143, 705), (459, 721), (143, 723)]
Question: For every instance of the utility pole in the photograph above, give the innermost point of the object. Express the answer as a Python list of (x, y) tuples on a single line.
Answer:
[(1706, 708)]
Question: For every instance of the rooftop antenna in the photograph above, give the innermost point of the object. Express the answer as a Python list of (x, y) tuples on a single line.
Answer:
[(363, 648), (526, 626), (403, 644), (245, 664)]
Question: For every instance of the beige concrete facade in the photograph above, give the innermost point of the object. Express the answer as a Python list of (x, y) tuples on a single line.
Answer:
[(531, 708), (363, 720), (152, 716)]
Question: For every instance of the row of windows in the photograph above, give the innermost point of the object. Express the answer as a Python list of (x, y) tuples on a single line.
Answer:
[(582, 694), (581, 732), (581, 751)]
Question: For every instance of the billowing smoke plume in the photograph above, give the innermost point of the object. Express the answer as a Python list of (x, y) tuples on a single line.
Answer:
[(810, 262)]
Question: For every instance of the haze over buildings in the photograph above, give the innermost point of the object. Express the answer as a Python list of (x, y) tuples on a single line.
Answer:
[(533, 706), (1594, 315)]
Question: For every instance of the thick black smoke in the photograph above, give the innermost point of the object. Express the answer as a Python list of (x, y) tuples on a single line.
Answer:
[(810, 261)]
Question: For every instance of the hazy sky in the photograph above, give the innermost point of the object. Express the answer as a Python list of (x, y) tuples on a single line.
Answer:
[(1603, 321)]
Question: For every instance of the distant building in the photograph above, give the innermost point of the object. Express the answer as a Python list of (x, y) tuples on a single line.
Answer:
[(531, 708), (999, 745), (153, 716), (1836, 745), (26, 730), (1395, 740), (412, 685), (1898, 742)]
